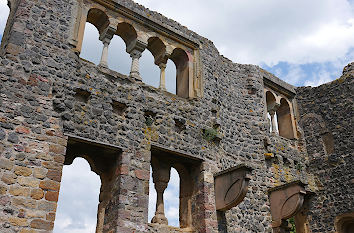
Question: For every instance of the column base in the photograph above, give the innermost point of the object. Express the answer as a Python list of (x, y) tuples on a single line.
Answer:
[(160, 219), (136, 76)]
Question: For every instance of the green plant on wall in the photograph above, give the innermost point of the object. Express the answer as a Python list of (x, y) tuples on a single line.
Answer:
[(210, 134), (291, 222)]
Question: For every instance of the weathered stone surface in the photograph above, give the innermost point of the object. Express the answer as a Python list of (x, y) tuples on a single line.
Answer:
[(42, 224), (48, 92)]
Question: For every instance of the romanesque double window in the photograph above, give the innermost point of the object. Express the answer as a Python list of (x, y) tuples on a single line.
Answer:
[(280, 114), (164, 45)]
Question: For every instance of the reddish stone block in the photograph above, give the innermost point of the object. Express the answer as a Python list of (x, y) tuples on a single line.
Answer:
[(54, 175), (42, 224), (22, 130), (142, 174), (52, 196), (49, 185)]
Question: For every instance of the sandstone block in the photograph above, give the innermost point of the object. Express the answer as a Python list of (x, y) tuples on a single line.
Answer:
[(28, 181), (23, 202), (37, 194), (57, 149), (39, 173), (47, 206), (23, 171), (35, 214), (50, 217), (49, 185), (22, 130), (22, 222), (3, 189), (142, 174), (9, 178), (42, 224), (19, 191), (54, 175), (52, 196), (6, 164)]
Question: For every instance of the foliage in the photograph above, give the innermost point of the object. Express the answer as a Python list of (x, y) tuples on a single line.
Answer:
[(292, 224), (210, 134)]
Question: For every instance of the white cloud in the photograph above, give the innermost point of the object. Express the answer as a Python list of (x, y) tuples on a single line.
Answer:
[(4, 13), (258, 31)]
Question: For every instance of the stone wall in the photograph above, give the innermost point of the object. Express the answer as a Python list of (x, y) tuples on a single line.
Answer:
[(49, 96), (326, 116)]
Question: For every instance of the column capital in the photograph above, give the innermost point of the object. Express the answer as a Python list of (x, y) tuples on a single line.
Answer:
[(107, 34), (137, 45)]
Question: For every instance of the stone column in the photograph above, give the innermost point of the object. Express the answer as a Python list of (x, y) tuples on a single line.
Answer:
[(161, 177), (104, 57), (106, 37), (272, 112), (134, 70), (273, 122), (162, 76)]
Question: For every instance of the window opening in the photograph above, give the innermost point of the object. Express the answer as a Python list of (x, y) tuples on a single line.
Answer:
[(272, 107), (78, 199), (118, 59), (181, 60), (91, 45), (171, 77), (103, 160), (150, 72)]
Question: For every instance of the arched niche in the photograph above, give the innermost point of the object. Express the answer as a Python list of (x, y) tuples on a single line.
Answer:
[(181, 60), (128, 33), (285, 125)]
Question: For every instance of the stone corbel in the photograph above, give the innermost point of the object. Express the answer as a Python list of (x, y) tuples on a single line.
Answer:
[(285, 202), (231, 187)]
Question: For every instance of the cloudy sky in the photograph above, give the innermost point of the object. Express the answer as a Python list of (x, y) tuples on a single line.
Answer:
[(304, 42)]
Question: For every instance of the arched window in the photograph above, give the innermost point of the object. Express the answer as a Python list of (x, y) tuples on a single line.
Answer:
[(127, 33), (181, 60), (78, 199), (171, 77), (91, 46), (284, 120), (271, 112), (150, 72), (118, 59)]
